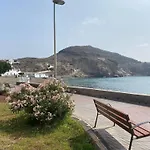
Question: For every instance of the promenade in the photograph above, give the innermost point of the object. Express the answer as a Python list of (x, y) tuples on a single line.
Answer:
[(115, 138)]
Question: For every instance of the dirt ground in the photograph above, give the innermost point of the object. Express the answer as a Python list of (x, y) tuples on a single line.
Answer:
[(2, 98), (10, 80)]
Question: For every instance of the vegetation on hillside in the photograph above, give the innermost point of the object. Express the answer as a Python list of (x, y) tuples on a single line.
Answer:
[(4, 67)]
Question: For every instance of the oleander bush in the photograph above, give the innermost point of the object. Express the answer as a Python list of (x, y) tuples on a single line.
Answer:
[(42, 104), (4, 88)]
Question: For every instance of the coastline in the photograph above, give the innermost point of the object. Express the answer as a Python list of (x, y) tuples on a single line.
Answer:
[(116, 95), (128, 84)]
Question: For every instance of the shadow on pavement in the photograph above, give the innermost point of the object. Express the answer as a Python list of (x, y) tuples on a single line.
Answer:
[(109, 141)]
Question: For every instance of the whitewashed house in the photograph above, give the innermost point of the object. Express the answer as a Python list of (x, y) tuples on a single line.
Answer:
[(12, 61), (50, 67), (40, 75), (13, 72)]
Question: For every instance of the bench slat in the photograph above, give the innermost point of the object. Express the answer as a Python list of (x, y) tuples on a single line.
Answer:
[(113, 110), (113, 115), (116, 121), (140, 132), (133, 123)]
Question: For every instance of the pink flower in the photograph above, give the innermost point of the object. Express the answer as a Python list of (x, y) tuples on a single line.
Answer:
[(22, 85), (8, 98), (16, 89), (33, 101)]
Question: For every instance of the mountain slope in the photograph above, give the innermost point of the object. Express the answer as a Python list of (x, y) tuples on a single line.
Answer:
[(89, 61)]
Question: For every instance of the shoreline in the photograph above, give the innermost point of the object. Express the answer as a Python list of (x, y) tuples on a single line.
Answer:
[(130, 84)]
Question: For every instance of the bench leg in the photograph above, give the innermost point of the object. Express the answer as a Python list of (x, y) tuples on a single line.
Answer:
[(96, 121), (131, 142)]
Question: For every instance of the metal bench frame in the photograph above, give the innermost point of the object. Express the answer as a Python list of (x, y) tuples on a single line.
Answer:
[(122, 120)]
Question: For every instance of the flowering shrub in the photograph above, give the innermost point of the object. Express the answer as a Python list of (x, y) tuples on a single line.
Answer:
[(4, 88), (44, 103)]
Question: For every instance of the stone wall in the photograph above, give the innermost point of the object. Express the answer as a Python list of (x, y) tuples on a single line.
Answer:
[(112, 95)]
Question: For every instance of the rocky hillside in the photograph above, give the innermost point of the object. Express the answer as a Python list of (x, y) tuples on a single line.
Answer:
[(88, 61)]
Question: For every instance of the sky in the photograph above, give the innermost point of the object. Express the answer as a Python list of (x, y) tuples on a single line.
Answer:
[(121, 26)]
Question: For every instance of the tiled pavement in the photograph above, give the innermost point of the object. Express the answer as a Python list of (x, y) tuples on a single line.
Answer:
[(114, 137)]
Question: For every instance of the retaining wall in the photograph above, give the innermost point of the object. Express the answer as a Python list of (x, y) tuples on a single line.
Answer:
[(140, 99)]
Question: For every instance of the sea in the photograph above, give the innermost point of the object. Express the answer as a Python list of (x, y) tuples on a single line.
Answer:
[(138, 84)]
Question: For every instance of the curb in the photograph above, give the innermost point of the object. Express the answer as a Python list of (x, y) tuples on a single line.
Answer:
[(95, 139)]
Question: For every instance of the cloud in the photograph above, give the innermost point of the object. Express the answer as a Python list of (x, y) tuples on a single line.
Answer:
[(94, 21), (143, 45)]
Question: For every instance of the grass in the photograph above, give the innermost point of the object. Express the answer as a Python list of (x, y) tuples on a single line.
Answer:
[(16, 134)]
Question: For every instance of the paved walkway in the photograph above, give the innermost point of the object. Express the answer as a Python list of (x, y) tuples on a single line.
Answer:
[(114, 137)]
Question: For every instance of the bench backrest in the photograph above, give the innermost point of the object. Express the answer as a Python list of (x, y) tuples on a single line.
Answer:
[(116, 116)]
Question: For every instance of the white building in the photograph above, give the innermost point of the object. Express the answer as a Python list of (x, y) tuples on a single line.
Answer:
[(50, 67), (13, 72), (12, 61), (40, 75)]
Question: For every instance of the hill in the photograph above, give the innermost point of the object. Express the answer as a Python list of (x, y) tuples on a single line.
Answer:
[(87, 61)]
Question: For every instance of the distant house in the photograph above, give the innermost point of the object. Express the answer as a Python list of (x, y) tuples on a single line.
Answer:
[(50, 67), (40, 75), (13, 72), (12, 61)]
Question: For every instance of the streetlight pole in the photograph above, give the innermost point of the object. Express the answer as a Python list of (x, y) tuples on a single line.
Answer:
[(58, 2), (55, 54)]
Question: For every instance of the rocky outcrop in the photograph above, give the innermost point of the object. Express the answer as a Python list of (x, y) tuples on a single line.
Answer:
[(88, 61)]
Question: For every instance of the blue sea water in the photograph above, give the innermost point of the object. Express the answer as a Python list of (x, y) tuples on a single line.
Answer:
[(132, 84)]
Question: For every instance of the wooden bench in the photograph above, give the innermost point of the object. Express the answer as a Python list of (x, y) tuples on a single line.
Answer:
[(122, 120)]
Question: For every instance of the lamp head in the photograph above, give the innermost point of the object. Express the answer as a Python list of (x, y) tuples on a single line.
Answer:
[(59, 2)]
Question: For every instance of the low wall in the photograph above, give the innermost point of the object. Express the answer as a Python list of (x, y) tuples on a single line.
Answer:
[(112, 95), (139, 99)]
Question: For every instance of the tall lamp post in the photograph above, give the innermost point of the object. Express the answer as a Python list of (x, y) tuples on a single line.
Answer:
[(58, 2)]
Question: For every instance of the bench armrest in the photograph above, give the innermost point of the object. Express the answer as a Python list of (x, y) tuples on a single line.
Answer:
[(139, 124)]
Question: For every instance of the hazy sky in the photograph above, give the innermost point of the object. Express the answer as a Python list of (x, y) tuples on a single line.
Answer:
[(122, 26)]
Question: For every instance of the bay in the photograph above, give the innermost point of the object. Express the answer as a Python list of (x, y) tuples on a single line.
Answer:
[(140, 85)]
